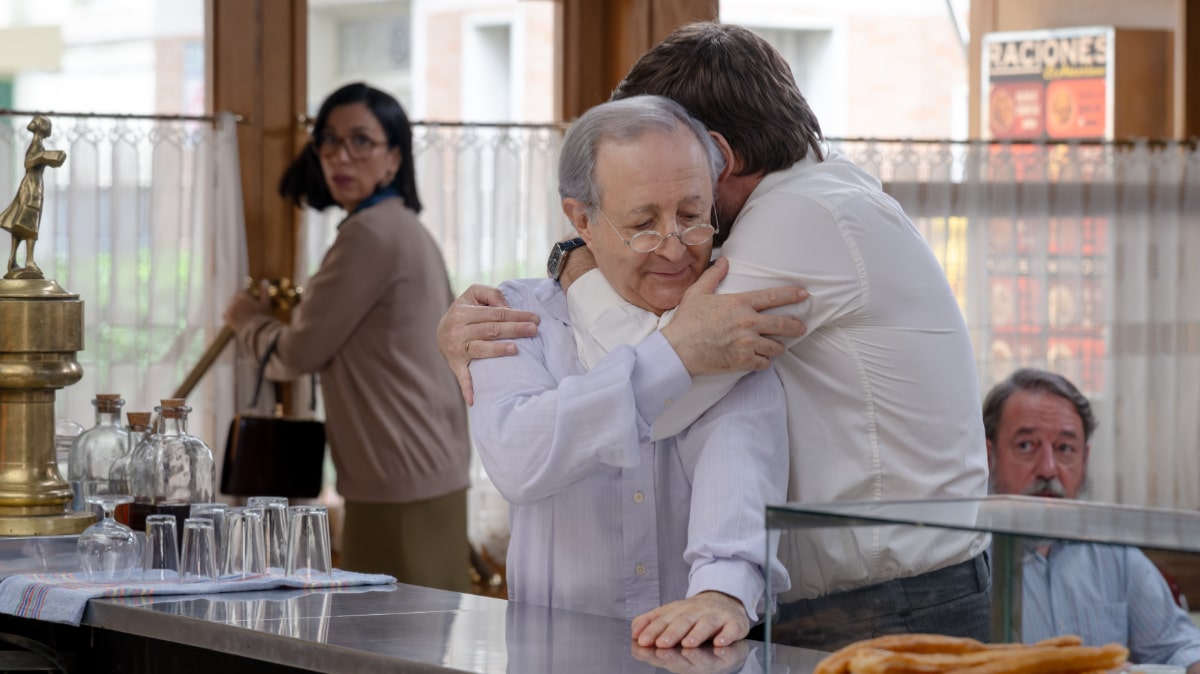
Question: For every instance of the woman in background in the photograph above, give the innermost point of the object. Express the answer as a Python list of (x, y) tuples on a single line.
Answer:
[(396, 423)]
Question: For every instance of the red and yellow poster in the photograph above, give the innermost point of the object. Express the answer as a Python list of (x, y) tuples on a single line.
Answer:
[(1045, 290), (1048, 84)]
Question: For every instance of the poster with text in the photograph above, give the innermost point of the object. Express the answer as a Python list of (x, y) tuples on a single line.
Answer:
[(1048, 84)]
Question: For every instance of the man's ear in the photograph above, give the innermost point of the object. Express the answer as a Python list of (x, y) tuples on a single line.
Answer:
[(991, 454), (577, 213), (733, 165)]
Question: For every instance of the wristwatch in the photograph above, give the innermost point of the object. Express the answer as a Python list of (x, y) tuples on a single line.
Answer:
[(558, 256)]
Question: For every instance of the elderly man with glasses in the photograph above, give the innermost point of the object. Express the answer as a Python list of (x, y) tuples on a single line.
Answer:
[(605, 519)]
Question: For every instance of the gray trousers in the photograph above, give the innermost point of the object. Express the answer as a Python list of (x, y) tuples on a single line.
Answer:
[(954, 601)]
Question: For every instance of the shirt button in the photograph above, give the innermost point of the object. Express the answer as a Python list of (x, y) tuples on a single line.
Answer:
[(639, 570), (638, 497), (668, 403)]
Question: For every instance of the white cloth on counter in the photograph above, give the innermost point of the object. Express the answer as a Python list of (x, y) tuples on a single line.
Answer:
[(62, 597)]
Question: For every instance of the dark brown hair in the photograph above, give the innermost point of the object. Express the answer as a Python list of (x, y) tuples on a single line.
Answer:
[(1029, 379), (738, 85), (303, 183)]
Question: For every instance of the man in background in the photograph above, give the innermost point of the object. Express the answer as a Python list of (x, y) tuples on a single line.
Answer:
[(1038, 428)]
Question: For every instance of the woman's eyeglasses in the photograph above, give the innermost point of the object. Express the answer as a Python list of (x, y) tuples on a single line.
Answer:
[(358, 146)]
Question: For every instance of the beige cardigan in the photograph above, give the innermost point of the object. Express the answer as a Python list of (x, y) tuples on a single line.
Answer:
[(396, 423)]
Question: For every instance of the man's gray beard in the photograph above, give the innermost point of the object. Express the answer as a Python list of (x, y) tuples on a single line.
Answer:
[(1053, 485)]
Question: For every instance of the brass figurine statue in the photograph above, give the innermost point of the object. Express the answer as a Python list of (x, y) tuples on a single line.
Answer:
[(23, 216), (41, 331)]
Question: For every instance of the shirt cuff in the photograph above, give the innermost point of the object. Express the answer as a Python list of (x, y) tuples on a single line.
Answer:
[(659, 377), (739, 579)]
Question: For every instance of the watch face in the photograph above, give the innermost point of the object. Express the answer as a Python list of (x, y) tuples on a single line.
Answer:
[(554, 264), (558, 254)]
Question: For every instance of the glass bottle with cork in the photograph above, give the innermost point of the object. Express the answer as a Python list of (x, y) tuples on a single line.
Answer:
[(171, 468), (94, 450), (120, 476), (141, 478)]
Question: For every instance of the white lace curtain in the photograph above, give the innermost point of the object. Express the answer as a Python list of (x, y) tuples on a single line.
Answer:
[(1081, 259), (144, 223), (490, 198)]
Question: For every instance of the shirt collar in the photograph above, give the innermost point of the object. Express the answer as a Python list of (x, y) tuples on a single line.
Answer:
[(603, 320), (379, 195)]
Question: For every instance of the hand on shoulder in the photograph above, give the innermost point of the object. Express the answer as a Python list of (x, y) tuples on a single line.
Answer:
[(474, 326), (726, 333)]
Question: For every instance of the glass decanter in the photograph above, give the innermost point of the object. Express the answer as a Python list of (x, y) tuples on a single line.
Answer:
[(171, 468), (120, 475), (94, 450)]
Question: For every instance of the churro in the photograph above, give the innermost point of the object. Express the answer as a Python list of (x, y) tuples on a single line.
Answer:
[(935, 654)]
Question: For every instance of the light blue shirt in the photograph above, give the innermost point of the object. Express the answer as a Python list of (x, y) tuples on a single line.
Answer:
[(603, 519), (1106, 594)]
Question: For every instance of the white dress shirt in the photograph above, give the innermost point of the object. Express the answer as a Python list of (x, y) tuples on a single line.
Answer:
[(604, 520), (882, 392)]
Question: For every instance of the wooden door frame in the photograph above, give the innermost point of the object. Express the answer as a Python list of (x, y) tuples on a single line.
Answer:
[(600, 41), (257, 65)]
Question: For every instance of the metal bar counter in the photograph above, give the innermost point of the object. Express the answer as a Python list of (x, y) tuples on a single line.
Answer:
[(405, 628), (399, 628)]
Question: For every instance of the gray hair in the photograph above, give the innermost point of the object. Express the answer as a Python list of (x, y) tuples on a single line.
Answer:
[(1029, 379), (623, 120)]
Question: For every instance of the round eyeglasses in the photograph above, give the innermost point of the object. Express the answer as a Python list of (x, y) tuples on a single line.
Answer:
[(358, 145), (650, 240)]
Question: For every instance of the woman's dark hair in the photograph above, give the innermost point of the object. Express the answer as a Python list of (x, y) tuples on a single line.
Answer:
[(303, 183)]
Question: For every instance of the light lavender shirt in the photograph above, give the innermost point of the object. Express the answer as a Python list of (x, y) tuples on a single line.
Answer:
[(604, 520)]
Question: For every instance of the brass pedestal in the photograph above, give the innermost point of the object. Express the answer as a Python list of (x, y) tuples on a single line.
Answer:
[(41, 330)]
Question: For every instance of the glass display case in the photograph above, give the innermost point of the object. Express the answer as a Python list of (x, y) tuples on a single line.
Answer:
[(1018, 526)]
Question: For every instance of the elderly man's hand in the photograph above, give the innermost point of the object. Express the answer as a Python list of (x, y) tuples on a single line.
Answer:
[(693, 621), (242, 307), (726, 333), (715, 660), (471, 327)]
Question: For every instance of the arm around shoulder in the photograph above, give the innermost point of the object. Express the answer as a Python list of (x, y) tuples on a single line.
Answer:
[(541, 425), (477, 325)]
